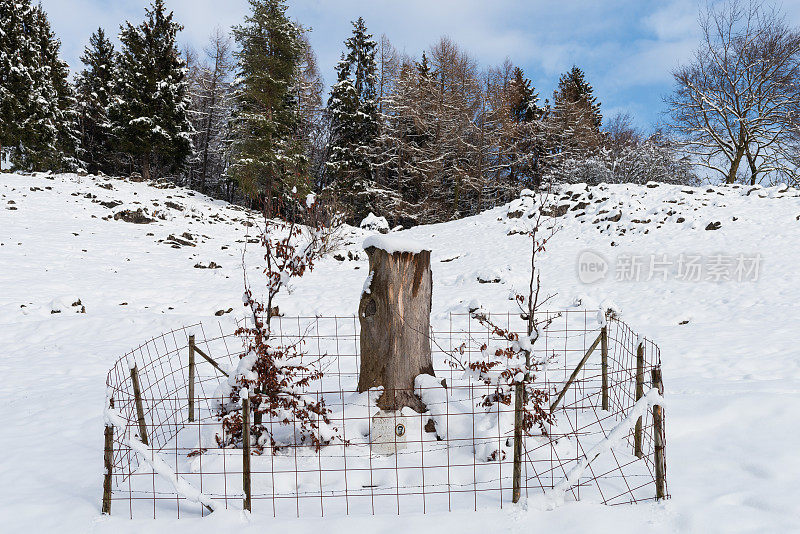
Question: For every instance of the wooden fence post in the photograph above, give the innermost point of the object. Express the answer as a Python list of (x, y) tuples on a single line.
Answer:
[(137, 394), (574, 374), (604, 363), (519, 399), (246, 449), (637, 436), (108, 460), (658, 438), (191, 378)]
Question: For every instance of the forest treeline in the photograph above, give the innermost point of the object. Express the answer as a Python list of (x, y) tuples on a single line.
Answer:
[(249, 119)]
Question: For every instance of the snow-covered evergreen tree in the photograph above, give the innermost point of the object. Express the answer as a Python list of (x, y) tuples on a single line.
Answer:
[(60, 155), (95, 86), (528, 146), (525, 99), (574, 89), (266, 157), (37, 128), (575, 125), (149, 111), (354, 124), (16, 79)]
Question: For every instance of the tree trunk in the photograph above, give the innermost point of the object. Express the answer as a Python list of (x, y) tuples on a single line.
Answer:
[(394, 313), (751, 161), (731, 179), (146, 167), (740, 149)]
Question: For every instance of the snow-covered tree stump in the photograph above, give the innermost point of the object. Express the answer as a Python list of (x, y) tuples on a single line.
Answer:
[(394, 313)]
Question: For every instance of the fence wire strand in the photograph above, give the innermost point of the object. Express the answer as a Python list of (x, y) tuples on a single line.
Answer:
[(455, 456)]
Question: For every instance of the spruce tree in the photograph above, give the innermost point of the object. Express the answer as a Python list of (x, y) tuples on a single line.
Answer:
[(527, 145), (266, 157), (149, 114), (423, 67), (574, 124), (355, 123), (524, 99), (39, 132), (61, 155), (574, 89), (36, 99), (16, 77), (95, 88)]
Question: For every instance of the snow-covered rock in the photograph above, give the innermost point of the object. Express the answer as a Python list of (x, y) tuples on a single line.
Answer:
[(375, 224)]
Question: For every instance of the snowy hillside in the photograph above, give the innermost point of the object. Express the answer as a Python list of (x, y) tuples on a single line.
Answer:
[(90, 267)]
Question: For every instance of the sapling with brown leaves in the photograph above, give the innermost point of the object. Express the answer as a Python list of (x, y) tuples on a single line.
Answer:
[(509, 369), (276, 375)]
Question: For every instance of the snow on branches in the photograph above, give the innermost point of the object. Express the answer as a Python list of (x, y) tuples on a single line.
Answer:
[(506, 364), (276, 376)]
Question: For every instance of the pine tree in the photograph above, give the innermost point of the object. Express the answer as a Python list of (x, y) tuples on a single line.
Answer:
[(574, 125), (524, 99), (423, 67), (39, 132), (355, 125), (17, 54), (343, 112), (36, 100), (528, 147), (266, 157), (61, 155), (574, 89), (577, 112), (149, 112), (95, 89)]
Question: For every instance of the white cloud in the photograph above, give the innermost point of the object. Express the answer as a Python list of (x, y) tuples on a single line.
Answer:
[(618, 43), (674, 21)]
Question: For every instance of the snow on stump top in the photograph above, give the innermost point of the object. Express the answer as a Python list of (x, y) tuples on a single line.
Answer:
[(394, 314), (374, 223), (393, 243)]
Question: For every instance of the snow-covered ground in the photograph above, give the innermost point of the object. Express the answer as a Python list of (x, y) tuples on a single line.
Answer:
[(731, 359)]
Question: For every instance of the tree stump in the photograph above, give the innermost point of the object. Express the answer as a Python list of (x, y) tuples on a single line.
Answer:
[(394, 314)]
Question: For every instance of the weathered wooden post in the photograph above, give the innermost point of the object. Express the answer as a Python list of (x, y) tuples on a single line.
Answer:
[(108, 461), (191, 378), (658, 437), (394, 314), (137, 397), (519, 401), (604, 363), (637, 435), (246, 448), (574, 374)]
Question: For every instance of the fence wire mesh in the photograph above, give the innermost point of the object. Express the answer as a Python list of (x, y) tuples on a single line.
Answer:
[(455, 456)]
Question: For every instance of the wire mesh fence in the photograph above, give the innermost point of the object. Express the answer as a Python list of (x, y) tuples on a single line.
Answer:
[(457, 455)]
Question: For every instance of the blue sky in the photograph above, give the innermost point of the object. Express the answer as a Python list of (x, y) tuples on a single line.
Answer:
[(627, 48)]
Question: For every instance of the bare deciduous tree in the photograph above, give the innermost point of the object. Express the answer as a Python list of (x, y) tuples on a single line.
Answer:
[(209, 83), (738, 100), (310, 130), (388, 69)]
